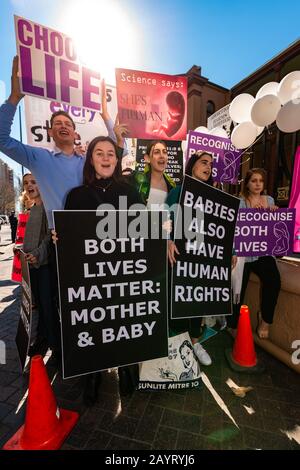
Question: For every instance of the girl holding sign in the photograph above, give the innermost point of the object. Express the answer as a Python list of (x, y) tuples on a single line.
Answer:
[(103, 184), (36, 247), (154, 184), (264, 267), (199, 166)]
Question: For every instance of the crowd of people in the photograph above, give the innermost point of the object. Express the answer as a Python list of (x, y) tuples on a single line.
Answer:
[(66, 178)]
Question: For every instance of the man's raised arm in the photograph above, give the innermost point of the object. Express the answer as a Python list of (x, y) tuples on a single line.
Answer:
[(21, 153)]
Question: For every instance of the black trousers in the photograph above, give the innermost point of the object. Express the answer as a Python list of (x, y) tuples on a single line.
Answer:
[(266, 269), (13, 233), (48, 323)]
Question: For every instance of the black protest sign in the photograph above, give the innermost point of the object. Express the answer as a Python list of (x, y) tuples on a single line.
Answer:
[(25, 321), (175, 158), (201, 277), (113, 291)]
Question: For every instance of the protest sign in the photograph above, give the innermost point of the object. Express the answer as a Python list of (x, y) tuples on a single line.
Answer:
[(204, 230), (50, 69), (264, 232), (89, 124), (24, 327), (179, 370), (113, 293), (152, 105), (220, 118), (16, 274), (226, 158), (175, 158)]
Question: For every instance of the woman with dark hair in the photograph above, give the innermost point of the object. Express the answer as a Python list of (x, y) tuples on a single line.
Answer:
[(102, 178), (199, 166), (154, 184), (264, 267), (103, 184)]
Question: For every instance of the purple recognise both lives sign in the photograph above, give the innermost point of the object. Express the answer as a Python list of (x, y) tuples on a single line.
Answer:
[(262, 232), (226, 158), (50, 69)]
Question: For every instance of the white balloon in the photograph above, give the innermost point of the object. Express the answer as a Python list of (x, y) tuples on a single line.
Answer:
[(183, 145), (259, 130), (219, 132), (270, 88), (202, 129), (240, 107), (264, 110), (289, 87), (288, 119), (244, 135)]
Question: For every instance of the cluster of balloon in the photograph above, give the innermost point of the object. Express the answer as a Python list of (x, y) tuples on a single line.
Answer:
[(273, 101)]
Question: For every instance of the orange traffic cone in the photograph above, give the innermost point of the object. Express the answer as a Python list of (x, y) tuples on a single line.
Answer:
[(46, 426), (243, 357)]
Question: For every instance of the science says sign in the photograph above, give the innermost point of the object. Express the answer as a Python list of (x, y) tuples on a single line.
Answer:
[(152, 105), (226, 158), (50, 69), (113, 299), (204, 230), (88, 123), (264, 232)]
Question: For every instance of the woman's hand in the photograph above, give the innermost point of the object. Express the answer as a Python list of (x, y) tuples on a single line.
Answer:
[(273, 208), (120, 130), (167, 226), (30, 258), (233, 261), (172, 249), (54, 236)]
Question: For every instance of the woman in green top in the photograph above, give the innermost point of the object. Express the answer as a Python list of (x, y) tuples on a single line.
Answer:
[(200, 167), (154, 184)]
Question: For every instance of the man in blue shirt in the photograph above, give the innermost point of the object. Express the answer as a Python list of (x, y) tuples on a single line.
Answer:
[(56, 171)]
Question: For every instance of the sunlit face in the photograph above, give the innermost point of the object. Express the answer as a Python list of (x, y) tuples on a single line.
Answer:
[(62, 130), (202, 168), (187, 357), (30, 187), (158, 158), (256, 184), (104, 159)]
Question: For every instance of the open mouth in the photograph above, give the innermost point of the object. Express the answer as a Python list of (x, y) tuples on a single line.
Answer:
[(63, 132)]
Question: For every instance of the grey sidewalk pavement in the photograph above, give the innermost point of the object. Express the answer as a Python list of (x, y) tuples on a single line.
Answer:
[(156, 420)]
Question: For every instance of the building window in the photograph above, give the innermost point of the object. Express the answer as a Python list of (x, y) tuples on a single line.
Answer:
[(210, 108)]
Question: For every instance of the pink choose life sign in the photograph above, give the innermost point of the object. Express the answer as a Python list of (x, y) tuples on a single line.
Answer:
[(49, 67)]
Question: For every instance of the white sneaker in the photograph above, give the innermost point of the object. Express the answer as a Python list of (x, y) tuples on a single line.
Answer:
[(202, 355)]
